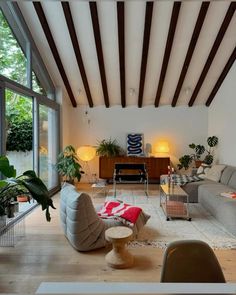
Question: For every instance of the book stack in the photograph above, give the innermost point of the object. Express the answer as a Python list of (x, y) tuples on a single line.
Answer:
[(231, 195)]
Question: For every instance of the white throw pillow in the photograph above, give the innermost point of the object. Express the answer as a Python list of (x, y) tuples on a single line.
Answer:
[(214, 173), (202, 170)]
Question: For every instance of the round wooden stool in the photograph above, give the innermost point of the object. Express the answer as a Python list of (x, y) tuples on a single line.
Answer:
[(119, 257)]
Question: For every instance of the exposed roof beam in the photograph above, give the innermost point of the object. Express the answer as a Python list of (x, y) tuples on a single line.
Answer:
[(146, 39), (42, 18), (192, 45), (76, 47), (121, 40), (220, 80), (169, 42), (98, 42), (213, 51)]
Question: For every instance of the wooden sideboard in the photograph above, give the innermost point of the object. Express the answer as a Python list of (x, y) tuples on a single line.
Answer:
[(155, 166)]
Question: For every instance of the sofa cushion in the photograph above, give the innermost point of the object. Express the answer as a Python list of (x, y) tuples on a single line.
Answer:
[(214, 173), (226, 174), (191, 189), (232, 181), (222, 208)]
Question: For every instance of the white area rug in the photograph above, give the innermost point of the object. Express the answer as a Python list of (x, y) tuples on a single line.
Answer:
[(158, 232)]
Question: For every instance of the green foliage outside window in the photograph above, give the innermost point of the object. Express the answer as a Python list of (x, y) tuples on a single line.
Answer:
[(12, 59), (20, 136)]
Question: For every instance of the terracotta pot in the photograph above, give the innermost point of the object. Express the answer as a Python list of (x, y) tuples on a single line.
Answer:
[(198, 163), (22, 198)]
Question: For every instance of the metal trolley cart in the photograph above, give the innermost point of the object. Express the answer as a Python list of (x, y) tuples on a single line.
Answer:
[(174, 202)]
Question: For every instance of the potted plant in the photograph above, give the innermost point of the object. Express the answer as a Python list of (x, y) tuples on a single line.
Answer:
[(186, 160), (108, 148), (13, 186), (68, 165)]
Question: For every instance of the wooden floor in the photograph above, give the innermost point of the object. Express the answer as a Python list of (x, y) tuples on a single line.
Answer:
[(45, 255)]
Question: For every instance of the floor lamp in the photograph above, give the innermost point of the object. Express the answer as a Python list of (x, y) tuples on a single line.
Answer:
[(86, 153)]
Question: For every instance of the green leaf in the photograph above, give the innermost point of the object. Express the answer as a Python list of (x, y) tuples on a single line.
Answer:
[(212, 141), (3, 183), (5, 167)]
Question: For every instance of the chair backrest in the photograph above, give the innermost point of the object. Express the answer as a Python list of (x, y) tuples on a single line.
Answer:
[(191, 261), (140, 167), (80, 222)]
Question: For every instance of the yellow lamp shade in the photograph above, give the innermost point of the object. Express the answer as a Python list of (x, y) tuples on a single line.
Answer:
[(162, 147), (86, 153)]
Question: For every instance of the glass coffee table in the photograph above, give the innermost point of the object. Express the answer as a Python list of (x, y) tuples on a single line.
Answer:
[(174, 201)]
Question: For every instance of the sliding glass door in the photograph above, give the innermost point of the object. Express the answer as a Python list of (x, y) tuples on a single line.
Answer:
[(19, 130), (48, 146)]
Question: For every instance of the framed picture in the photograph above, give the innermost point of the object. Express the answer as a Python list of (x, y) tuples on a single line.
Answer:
[(134, 144)]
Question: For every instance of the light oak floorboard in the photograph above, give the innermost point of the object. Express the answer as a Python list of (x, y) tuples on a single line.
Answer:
[(44, 254)]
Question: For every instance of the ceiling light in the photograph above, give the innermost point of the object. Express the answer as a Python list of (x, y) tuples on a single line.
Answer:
[(187, 90), (79, 91), (131, 91)]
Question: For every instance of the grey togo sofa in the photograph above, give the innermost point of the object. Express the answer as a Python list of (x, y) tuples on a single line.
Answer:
[(81, 224), (207, 192)]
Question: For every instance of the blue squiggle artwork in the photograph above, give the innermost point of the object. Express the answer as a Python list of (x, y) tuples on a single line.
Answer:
[(134, 144)]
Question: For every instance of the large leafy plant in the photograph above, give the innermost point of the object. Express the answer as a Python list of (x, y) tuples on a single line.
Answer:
[(108, 148), (68, 165), (27, 182), (199, 150)]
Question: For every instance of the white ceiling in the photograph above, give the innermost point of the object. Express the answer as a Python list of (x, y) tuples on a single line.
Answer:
[(134, 29)]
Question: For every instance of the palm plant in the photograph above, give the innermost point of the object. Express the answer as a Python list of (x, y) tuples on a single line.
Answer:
[(27, 182)]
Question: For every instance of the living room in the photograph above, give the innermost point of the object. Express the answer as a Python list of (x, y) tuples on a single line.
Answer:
[(130, 106)]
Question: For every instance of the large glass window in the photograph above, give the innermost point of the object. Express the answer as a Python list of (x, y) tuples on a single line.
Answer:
[(28, 110), (36, 85), (12, 58), (19, 131)]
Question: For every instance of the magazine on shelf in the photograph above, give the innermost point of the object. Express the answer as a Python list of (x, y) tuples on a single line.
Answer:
[(231, 195)]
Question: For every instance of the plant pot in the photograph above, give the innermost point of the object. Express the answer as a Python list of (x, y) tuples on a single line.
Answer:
[(22, 198), (198, 164), (16, 206), (10, 210)]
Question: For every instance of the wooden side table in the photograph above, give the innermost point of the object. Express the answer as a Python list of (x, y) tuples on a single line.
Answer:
[(119, 256)]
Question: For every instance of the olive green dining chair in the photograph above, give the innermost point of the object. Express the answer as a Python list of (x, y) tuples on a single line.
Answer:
[(191, 261)]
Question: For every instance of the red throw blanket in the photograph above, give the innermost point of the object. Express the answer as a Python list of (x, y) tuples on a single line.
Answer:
[(126, 213)]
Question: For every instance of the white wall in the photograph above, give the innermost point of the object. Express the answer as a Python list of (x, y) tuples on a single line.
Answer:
[(222, 119), (179, 126)]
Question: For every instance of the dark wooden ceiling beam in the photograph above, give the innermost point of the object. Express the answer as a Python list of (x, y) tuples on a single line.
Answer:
[(191, 48), (146, 39), (76, 47), (220, 80), (42, 18), (121, 40), (169, 42), (98, 42), (213, 51)]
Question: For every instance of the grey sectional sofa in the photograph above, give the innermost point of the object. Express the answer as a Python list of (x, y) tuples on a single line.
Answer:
[(207, 192)]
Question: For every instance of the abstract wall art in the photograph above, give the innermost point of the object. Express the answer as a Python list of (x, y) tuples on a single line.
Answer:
[(134, 144)]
